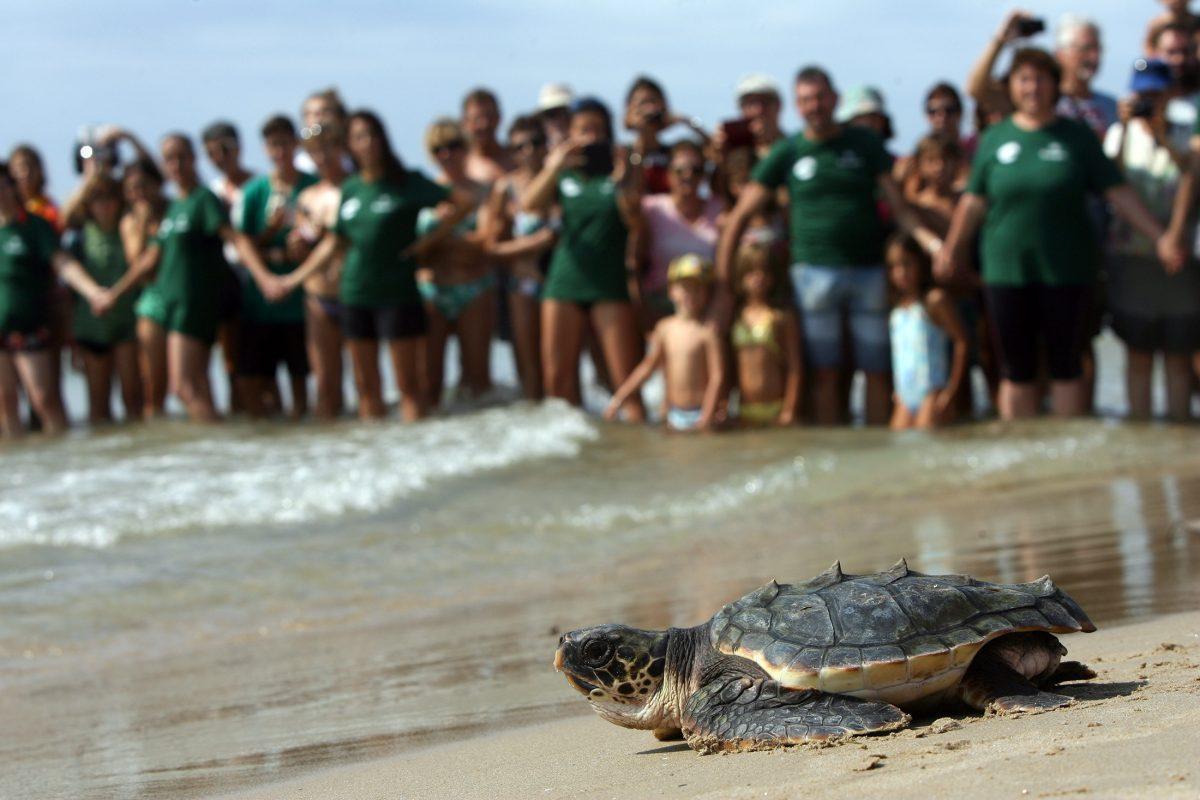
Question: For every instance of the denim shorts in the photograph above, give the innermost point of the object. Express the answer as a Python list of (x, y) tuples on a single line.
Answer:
[(824, 294)]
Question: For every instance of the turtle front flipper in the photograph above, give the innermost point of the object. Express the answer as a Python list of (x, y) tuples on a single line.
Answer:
[(737, 712), (990, 685)]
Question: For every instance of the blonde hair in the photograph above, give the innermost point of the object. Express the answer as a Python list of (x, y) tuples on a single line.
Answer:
[(442, 131), (751, 256)]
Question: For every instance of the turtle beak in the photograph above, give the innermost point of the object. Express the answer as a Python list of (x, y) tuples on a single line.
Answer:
[(558, 659)]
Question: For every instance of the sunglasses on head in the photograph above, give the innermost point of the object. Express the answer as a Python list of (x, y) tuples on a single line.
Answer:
[(948, 110), (310, 131), (450, 146)]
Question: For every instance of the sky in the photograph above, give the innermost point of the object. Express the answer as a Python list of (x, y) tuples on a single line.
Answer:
[(155, 66)]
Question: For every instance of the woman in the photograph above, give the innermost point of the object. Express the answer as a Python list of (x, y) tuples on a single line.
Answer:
[(187, 254), (1029, 192), (316, 214), (586, 283), (456, 282), (29, 258), (376, 230), (145, 206), (675, 224), (527, 239), (1152, 312), (108, 344), (944, 112), (25, 166)]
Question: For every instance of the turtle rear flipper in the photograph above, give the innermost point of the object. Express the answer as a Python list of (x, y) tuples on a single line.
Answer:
[(990, 685), (736, 712)]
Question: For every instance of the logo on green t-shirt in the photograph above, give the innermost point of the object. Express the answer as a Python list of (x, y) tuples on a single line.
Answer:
[(1053, 152), (384, 204), (805, 168), (15, 247), (350, 208), (1008, 152), (570, 187)]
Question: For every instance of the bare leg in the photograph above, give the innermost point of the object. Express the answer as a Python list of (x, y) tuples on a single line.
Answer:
[(37, 375), (324, 339), (433, 379), (902, 418), (299, 397), (98, 370), (364, 359), (125, 361), (1139, 366), (1179, 386), (152, 356), (228, 334), (475, 342), (926, 415), (1017, 400), (253, 391), (617, 331), (827, 407), (879, 395), (562, 342), (1069, 398), (405, 363), (524, 313), (10, 408), (187, 370)]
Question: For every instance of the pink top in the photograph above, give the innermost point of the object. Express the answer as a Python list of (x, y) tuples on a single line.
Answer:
[(672, 236)]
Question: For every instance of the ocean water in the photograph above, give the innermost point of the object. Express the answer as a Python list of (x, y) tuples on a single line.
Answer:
[(186, 609)]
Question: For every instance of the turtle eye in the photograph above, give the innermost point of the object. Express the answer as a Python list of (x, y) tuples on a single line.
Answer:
[(596, 652)]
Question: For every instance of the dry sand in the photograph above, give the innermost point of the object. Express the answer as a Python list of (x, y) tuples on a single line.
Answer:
[(1133, 732)]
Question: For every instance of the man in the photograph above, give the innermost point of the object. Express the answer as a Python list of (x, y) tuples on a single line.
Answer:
[(1077, 49), (759, 101), (833, 174), (1173, 46), (487, 160)]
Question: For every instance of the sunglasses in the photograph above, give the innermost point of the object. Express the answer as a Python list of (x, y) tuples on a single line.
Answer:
[(449, 147), (687, 172), (949, 111), (310, 131), (529, 144)]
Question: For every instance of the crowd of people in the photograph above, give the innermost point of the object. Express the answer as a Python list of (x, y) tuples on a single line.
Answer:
[(758, 271)]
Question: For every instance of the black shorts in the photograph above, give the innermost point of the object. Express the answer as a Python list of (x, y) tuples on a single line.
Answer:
[(1179, 335), (229, 294), (1031, 320), (405, 321), (263, 346)]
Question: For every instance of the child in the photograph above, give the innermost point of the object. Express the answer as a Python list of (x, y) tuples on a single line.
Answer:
[(687, 347), (939, 168), (922, 326), (766, 343)]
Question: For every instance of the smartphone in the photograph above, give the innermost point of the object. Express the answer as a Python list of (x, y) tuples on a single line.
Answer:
[(1030, 26), (737, 133), (598, 159), (1143, 107)]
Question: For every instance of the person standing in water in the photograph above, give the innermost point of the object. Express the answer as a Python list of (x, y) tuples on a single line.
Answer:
[(316, 215), (486, 159), (376, 230), (273, 333), (186, 257), (145, 206), (586, 284)]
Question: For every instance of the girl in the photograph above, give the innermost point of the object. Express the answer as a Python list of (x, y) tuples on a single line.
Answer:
[(108, 344), (316, 214), (766, 343), (145, 205), (457, 283), (923, 326), (187, 254), (526, 250), (586, 283), (376, 230)]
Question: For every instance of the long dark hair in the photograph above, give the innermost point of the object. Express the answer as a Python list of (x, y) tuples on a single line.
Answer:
[(393, 167)]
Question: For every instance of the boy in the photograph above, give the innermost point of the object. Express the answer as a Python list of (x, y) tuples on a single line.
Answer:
[(688, 349), (272, 333)]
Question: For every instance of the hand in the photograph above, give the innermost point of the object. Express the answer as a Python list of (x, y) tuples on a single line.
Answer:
[(611, 411), (1170, 253), (786, 418), (101, 302), (945, 266), (298, 246), (1010, 28), (562, 155), (275, 287)]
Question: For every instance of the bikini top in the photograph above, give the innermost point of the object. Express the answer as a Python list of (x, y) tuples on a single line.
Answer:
[(760, 334)]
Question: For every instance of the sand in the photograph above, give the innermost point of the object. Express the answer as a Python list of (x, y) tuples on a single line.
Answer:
[(1132, 732)]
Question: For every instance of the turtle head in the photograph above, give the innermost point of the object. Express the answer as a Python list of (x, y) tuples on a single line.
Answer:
[(619, 669)]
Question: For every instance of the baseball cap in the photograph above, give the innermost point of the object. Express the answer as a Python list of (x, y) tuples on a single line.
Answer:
[(757, 83), (860, 100), (554, 95), (1150, 75), (690, 266)]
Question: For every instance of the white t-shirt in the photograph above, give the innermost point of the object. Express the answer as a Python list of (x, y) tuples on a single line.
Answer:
[(1150, 170)]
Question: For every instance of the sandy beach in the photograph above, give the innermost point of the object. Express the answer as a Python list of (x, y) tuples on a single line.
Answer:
[(1130, 733)]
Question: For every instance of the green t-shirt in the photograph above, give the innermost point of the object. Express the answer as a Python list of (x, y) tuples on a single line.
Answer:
[(26, 246), (191, 267), (832, 188), (380, 220), (259, 200), (588, 264), (103, 256), (1036, 183)]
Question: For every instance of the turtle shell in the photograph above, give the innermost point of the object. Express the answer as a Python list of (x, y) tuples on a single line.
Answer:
[(897, 636)]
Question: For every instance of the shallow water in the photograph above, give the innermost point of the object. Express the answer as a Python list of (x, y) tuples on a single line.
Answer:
[(183, 610)]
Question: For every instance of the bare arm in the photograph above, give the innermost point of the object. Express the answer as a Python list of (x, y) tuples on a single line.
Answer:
[(461, 203), (250, 257), (74, 275), (794, 361), (715, 358), (968, 216), (639, 376), (1125, 202), (133, 237), (945, 316), (906, 218), (139, 269), (320, 258), (540, 193), (981, 86), (73, 212), (523, 247)]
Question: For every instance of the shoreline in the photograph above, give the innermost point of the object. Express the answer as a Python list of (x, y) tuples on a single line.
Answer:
[(1129, 734)]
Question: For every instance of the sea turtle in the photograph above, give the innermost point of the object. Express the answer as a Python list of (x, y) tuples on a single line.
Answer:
[(835, 656)]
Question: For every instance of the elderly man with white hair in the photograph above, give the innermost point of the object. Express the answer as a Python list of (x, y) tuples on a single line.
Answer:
[(1077, 48)]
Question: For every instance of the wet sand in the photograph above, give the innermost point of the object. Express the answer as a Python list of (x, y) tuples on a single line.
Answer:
[(1130, 733)]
